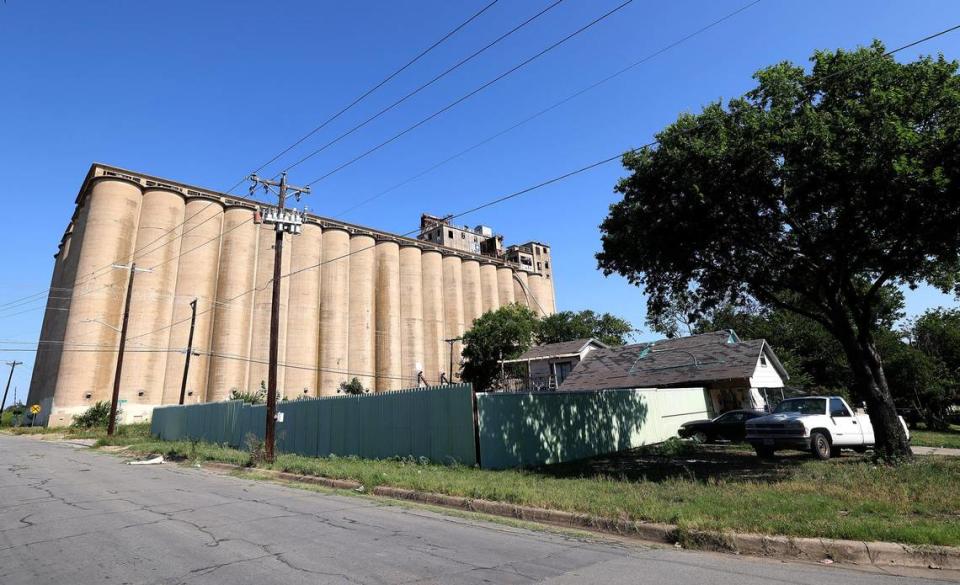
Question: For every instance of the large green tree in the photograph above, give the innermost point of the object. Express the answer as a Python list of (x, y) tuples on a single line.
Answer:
[(496, 335), (572, 325), (811, 193)]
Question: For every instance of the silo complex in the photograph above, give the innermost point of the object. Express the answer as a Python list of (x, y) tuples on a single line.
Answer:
[(355, 302)]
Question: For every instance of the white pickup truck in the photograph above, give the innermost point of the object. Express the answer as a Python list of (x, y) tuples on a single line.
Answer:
[(821, 424)]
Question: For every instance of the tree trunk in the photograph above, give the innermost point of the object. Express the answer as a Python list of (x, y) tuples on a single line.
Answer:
[(891, 444)]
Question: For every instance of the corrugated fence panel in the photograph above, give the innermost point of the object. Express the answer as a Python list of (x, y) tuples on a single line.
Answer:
[(536, 428), (435, 423)]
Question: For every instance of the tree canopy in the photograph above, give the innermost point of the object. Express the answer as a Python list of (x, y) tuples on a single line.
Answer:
[(571, 325), (812, 193)]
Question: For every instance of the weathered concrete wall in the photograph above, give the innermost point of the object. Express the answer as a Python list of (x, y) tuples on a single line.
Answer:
[(389, 362), (489, 289), (453, 319), (230, 344), (411, 315), (197, 278), (363, 275), (110, 230), (154, 297), (334, 310), (505, 285), (433, 316), (303, 314)]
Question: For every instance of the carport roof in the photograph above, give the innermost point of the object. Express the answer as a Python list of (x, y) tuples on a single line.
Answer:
[(698, 359)]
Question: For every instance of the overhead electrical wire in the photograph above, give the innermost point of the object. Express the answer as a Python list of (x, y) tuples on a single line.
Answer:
[(367, 93), (409, 95), (94, 273), (552, 107), (523, 191), (474, 92)]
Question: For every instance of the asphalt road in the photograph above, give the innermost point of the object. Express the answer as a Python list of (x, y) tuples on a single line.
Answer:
[(72, 516)]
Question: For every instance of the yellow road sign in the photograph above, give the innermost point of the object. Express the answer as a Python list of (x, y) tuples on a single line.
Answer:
[(35, 409)]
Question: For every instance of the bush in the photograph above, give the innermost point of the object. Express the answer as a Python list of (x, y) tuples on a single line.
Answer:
[(97, 415), (353, 387)]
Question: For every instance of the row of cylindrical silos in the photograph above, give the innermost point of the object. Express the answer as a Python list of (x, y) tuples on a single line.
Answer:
[(354, 302)]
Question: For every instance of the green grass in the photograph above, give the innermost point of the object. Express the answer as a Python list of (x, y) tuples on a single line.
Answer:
[(915, 503), (924, 438), (125, 434)]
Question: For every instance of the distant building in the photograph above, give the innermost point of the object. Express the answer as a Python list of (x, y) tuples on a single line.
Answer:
[(736, 374), (545, 367)]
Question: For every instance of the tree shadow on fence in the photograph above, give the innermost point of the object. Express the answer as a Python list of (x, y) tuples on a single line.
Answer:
[(530, 429)]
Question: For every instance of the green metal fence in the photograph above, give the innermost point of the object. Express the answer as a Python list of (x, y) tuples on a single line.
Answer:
[(526, 429), (436, 423)]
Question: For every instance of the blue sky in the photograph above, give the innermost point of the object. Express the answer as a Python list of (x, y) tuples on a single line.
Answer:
[(203, 92)]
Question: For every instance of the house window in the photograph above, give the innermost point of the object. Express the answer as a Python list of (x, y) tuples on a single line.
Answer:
[(463, 236), (763, 361), (546, 265), (538, 266), (450, 233)]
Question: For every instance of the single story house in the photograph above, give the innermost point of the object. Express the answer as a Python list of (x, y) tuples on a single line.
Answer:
[(547, 366), (735, 374)]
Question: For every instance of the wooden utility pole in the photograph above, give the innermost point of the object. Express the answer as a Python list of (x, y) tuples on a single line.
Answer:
[(186, 362), (451, 342), (283, 221), (115, 398), (3, 404)]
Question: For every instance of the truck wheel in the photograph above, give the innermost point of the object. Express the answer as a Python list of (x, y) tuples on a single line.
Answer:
[(764, 452), (820, 445)]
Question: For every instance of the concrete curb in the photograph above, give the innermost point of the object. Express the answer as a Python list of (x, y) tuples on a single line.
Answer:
[(784, 547)]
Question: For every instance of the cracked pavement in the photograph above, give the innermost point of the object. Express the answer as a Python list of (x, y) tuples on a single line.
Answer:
[(69, 515)]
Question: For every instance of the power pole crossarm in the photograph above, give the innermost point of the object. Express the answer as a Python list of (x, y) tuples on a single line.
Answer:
[(283, 221)]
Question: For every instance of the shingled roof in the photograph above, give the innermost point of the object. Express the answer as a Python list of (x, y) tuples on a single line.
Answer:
[(563, 348), (694, 360)]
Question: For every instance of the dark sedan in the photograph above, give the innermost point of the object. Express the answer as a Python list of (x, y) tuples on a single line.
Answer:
[(729, 426)]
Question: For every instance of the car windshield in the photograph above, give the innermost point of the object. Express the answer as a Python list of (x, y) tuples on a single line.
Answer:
[(803, 406)]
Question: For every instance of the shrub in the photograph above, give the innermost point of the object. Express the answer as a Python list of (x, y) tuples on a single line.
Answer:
[(97, 415), (353, 387)]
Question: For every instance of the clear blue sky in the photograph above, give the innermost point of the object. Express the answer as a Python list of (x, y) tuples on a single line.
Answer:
[(202, 92)]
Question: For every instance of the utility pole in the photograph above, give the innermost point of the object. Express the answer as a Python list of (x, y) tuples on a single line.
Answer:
[(13, 365), (186, 362), (451, 342), (115, 398), (284, 221)]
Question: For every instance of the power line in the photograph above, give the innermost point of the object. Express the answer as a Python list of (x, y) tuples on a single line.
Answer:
[(474, 92), (554, 106), (367, 93), (451, 69)]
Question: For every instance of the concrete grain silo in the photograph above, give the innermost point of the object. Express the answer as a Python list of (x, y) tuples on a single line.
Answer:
[(453, 319), (361, 348), (489, 289), (521, 288), (433, 316), (472, 295), (539, 302), (152, 301), (389, 362), (355, 301), (197, 278), (411, 315), (505, 285), (230, 344), (110, 229), (334, 310), (262, 299), (303, 313)]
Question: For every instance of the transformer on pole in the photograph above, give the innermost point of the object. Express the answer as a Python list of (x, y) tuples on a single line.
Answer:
[(289, 221)]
